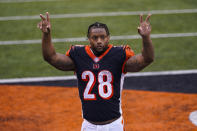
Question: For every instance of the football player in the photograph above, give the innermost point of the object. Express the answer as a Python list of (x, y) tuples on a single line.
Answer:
[(100, 69)]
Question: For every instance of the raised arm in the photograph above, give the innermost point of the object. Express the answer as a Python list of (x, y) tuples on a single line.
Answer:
[(140, 61), (60, 61)]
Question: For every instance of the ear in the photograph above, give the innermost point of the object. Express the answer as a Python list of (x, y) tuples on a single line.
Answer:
[(108, 38), (88, 38)]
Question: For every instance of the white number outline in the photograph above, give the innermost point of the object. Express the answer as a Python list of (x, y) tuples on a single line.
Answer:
[(102, 84), (89, 86)]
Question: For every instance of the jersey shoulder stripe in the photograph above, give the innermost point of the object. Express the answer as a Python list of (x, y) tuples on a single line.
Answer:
[(129, 53)]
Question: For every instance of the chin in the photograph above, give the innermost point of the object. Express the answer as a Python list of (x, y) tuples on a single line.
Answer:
[(100, 50)]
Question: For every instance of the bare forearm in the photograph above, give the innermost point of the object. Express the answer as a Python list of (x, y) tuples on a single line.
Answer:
[(148, 49), (48, 50), (140, 61), (60, 61)]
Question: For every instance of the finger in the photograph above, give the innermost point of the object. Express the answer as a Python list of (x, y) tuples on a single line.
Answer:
[(47, 14), (48, 26), (139, 29), (148, 17), (39, 25), (42, 17), (141, 18)]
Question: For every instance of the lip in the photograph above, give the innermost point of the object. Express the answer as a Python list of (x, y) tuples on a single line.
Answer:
[(99, 47)]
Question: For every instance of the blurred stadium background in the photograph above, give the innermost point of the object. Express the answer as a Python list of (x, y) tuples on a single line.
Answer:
[(174, 32)]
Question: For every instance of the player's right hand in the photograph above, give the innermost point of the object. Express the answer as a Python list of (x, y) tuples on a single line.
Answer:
[(44, 25)]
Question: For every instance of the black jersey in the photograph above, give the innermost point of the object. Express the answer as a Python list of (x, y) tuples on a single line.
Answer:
[(100, 80)]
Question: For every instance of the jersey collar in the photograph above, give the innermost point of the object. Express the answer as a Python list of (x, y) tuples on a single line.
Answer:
[(91, 54)]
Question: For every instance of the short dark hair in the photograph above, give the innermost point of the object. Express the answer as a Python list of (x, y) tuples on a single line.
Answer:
[(98, 25)]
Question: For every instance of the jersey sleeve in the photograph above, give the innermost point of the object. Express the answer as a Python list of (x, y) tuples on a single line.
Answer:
[(128, 54), (71, 52)]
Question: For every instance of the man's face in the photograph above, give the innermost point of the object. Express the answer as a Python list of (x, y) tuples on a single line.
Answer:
[(98, 39)]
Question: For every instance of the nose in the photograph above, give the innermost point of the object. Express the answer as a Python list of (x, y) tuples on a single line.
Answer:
[(99, 41)]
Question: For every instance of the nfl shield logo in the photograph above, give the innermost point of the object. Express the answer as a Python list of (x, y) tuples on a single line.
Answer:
[(96, 59)]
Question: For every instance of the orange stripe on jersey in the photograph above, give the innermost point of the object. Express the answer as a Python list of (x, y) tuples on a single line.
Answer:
[(68, 52), (129, 53), (91, 54), (109, 47)]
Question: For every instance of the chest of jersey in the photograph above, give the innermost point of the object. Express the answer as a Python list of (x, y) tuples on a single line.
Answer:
[(99, 82), (103, 73)]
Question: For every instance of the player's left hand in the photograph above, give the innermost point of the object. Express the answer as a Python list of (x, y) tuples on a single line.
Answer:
[(144, 28)]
